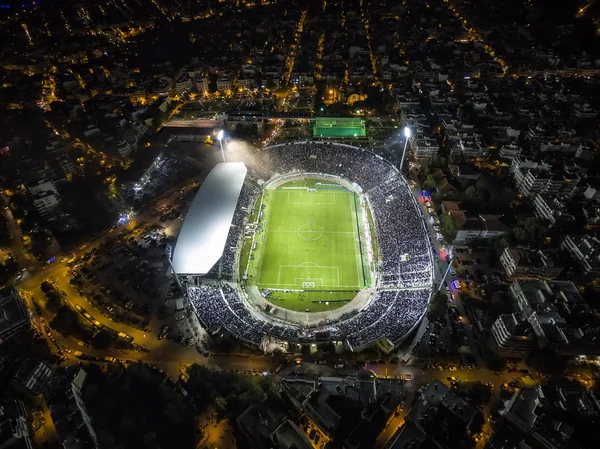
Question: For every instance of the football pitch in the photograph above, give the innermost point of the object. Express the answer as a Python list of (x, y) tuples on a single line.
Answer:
[(309, 251)]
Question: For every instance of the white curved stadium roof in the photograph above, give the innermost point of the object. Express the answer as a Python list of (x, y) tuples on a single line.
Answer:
[(204, 232)]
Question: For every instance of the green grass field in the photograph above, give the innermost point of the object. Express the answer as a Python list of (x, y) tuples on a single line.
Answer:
[(311, 245)]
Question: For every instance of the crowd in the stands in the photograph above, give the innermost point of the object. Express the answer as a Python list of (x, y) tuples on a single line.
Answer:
[(404, 246), (391, 314)]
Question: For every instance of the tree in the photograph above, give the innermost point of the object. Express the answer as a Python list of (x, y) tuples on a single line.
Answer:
[(448, 227), (221, 405), (474, 194), (102, 340), (531, 231), (546, 360), (138, 410), (53, 300), (429, 183), (424, 168), (64, 320), (46, 287), (477, 423), (476, 392), (438, 306)]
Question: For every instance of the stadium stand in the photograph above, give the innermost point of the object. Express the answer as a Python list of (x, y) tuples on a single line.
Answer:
[(404, 267)]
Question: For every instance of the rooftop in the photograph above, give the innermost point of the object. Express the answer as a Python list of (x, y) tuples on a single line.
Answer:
[(204, 232)]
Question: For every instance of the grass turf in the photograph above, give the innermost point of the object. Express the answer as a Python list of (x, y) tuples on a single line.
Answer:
[(311, 244)]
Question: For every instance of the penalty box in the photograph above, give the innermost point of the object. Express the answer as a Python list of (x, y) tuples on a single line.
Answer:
[(309, 276)]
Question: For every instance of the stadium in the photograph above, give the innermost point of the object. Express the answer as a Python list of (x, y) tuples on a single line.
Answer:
[(303, 243)]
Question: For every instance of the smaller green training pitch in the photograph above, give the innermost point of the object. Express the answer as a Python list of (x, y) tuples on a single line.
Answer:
[(339, 127), (308, 249)]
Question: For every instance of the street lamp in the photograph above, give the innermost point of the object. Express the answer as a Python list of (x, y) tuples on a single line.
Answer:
[(220, 139), (407, 135)]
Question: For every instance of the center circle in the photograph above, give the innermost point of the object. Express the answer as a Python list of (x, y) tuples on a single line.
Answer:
[(310, 232)]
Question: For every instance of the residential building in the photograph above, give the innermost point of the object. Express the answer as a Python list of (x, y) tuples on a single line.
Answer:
[(26, 375), (13, 313), (182, 85), (513, 335), (63, 395), (424, 147), (470, 226), (551, 208), (202, 85), (464, 172), (46, 199), (521, 263), (592, 192), (223, 84), (532, 178), (469, 148), (510, 151), (551, 417), (558, 315), (531, 181), (77, 388), (585, 249), (350, 410), (439, 418), (15, 430), (267, 427)]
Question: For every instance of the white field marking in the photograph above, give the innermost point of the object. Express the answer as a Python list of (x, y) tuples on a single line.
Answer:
[(262, 254), (324, 286), (308, 278), (311, 193), (324, 232), (312, 203), (356, 244)]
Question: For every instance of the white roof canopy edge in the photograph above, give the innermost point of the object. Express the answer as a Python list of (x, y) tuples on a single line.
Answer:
[(206, 226)]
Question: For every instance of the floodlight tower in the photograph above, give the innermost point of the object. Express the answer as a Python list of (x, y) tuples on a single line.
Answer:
[(407, 135), (220, 139)]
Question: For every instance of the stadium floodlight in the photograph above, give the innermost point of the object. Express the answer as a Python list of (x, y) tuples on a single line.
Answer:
[(220, 139), (407, 134)]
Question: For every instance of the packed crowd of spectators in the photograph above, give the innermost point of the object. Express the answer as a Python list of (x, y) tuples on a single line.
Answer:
[(401, 238), (391, 314), (247, 195)]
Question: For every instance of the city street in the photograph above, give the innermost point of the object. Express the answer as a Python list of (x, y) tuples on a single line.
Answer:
[(440, 269)]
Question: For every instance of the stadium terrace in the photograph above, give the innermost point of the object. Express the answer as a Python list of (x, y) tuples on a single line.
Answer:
[(400, 287)]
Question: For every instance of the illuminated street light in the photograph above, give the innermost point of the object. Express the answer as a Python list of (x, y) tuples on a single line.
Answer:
[(407, 135), (220, 139)]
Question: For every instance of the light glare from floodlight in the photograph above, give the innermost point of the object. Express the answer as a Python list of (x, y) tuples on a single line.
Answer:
[(407, 133), (220, 135)]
